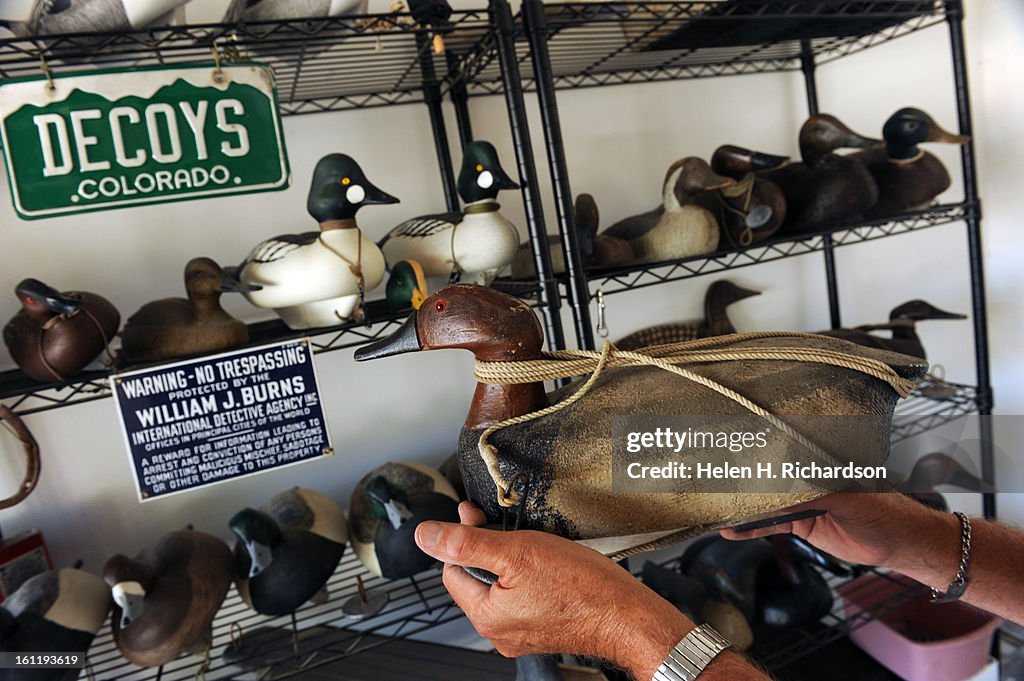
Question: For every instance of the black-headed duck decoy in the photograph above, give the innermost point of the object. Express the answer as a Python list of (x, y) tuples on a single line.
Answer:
[(479, 241), (58, 611), (754, 208), (679, 228), (407, 286), (566, 455), (166, 597), (319, 278), (790, 592), (936, 469), (826, 189), (55, 335), (902, 323), (182, 327), (288, 549), (908, 178), (387, 505), (719, 296)]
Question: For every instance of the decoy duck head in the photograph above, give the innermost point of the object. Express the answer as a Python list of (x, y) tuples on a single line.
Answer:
[(204, 278), (42, 302), (407, 286), (481, 176), (919, 310), (909, 127), (259, 533), (735, 162), (339, 189), (726, 293), (129, 581), (822, 134), (492, 325), (690, 176), (387, 501), (432, 12)]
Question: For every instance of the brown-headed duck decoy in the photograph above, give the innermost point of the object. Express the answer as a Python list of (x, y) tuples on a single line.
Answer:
[(166, 597), (58, 611), (936, 469), (180, 327), (320, 278), (908, 178), (288, 549), (679, 228), (387, 505), (754, 208), (902, 323), (565, 456), (479, 241), (719, 296), (55, 334), (826, 189)]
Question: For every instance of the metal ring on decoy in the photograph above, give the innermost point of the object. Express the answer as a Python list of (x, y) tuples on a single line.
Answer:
[(33, 464)]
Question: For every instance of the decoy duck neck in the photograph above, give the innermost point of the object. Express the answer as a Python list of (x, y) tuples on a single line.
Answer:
[(494, 403), (716, 317), (486, 205), (120, 569), (903, 153), (669, 197), (341, 223)]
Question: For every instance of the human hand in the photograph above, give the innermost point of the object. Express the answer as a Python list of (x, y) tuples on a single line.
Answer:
[(552, 595)]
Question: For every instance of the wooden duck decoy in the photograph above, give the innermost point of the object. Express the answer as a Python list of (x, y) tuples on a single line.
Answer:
[(58, 611), (679, 228), (288, 549), (319, 278), (908, 178), (754, 208), (165, 598), (278, 10), (86, 16), (719, 296), (790, 592), (180, 327), (566, 455), (407, 286), (478, 241), (826, 189), (55, 335), (902, 323), (387, 505), (936, 469)]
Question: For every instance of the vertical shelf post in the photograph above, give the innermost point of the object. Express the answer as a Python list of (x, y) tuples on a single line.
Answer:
[(504, 33), (432, 98), (460, 100), (807, 66)]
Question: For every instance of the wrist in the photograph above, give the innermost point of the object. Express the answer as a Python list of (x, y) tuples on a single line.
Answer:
[(647, 637), (933, 558)]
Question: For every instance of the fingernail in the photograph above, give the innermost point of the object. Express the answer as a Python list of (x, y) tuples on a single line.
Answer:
[(428, 534)]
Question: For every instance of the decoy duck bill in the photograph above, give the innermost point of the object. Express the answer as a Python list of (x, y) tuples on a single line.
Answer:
[(760, 161), (406, 339), (937, 134), (376, 196), (502, 181)]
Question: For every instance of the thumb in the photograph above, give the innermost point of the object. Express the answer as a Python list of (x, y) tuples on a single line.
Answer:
[(466, 545)]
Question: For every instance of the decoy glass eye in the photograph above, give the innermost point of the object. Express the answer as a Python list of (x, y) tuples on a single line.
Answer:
[(29, 300), (440, 306), (479, 167), (346, 180)]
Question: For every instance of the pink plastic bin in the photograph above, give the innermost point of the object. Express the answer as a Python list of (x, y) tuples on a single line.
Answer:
[(947, 642)]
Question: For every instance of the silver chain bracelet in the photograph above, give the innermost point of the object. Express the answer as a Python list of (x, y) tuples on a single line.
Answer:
[(957, 587)]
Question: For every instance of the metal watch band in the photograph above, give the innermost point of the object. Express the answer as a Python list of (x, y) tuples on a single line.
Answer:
[(691, 655)]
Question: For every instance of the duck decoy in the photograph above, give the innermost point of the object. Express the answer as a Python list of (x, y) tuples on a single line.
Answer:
[(407, 286), (319, 278), (450, 470), (908, 177), (478, 241), (58, 611), (790, 592), (936, 469), (826, 189), (288, 549), (565, 456), (284, 10), (46, 17), (166, 597), (753, 209), (903, 325), (55, 335), (387, 505), (180, 327), (719, 296), (679, 228)]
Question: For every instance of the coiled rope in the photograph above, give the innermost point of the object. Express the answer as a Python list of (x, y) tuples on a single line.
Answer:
[(565, 363)]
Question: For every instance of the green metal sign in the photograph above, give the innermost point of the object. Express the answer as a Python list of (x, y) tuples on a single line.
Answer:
[(108, 139)]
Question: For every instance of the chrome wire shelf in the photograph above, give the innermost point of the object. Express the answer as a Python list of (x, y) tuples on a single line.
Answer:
[(919, 412)]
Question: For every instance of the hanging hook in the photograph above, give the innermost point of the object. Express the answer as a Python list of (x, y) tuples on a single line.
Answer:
[(218, 72), (602, 321), (45, 68)]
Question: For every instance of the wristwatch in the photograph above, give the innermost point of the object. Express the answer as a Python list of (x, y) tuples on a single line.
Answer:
[(691, 655)]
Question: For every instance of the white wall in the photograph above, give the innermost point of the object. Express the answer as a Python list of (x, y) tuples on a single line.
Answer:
[(619, 141)]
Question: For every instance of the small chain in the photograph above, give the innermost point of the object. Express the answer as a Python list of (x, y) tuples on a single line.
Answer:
[(959, 584)]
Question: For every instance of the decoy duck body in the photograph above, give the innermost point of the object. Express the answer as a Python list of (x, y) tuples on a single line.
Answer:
[(678, 228), (902, 323), (287, 550), (566, 455), (387, 505), (754, 208), (479, 240), (826, 190), (936, 469), (53, 612), (719, 296), (277, 10), (407, 286), (55, 335), (908, 177), (318, 279), (89, 16), (167, 596), (180, 327)]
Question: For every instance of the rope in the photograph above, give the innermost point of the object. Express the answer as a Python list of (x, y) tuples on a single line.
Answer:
[(33, 464), (57, 319), (576, 362), (744, 188)]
